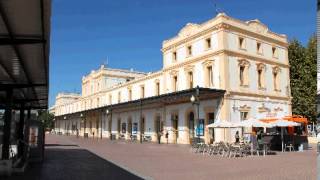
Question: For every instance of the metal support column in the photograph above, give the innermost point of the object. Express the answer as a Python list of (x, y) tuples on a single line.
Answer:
[(141, 140), (101, 117), (7, 125), (20, 131)]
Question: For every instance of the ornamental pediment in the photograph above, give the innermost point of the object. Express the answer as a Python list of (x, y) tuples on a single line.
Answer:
[(278, 109), (188, 29), (243, 62), (208, 62), (244, 108), (258, 26)]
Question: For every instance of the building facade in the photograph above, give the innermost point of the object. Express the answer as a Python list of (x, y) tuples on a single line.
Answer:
[(235, 69)]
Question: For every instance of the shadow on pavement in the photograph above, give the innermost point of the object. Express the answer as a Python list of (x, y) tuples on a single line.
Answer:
[(51, 145), (73, 164)]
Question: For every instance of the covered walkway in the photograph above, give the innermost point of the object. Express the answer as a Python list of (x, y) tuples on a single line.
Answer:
[(24, 79), (65, 160)]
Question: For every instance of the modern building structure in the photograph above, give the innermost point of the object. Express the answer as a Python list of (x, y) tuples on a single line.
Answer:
[(223, 69), (24, 81)]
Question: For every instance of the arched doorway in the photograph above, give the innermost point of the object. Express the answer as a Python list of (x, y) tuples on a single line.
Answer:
[(157, 124), (175, 130), (129, 127), (191, 126), (119, 127), (142, 126), (110, 126)]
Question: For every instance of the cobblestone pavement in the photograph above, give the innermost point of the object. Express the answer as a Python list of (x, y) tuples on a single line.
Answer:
[(177, 162), (66, 161)]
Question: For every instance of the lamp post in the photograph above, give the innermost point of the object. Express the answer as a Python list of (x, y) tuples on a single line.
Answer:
[(141, 127), (65, 124), (107, 114), (101, 125), (84, 124), (195, 100)]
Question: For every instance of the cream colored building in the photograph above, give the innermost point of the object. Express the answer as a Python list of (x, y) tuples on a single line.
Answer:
[(241, 68)]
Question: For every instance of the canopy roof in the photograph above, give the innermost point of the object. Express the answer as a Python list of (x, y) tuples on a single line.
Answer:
[(252, 122), (24, 52), (152, 102), (293, 118), (222, 124), (284, 123)]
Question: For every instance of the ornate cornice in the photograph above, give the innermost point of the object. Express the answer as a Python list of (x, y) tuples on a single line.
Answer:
[(232, 93)]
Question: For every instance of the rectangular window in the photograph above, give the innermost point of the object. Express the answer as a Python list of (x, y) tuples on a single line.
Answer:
[(241, 43), (190, 74), (123, 128), (243, 115), (274, 52), (174, 56), (130, 94), (208, 43), (210, 76), (175, 83), (119, 97), (260, 78), (142, 92), (242, 75), (98, 102), (275, 79), (189, 51), (259, 48), (110, 99), (157, 88)]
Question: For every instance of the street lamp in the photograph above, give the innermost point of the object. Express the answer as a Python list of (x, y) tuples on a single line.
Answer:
[(107, 113), (84, 124), (65, 125), (195, 100)]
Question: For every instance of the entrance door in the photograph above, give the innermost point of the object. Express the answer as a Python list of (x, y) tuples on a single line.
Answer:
[(191, 126), (211, 130), (119, 127), (142, 126), (130, 127), (175, 128), (110, 126), (157, 124)]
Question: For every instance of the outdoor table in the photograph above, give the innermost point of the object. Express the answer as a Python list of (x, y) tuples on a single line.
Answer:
[(265, 148)]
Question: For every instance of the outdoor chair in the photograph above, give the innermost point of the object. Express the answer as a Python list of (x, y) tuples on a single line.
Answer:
[(258, 148), (194, 146), (222, 149), (246, 149), (225, 149), (289, 147), (214, 148), (206, 149), (201, 148)]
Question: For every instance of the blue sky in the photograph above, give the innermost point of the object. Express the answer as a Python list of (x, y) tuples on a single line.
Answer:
[(129, 33)]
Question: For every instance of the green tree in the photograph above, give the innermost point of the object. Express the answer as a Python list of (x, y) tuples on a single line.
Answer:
[(46, 118), (303, 78)]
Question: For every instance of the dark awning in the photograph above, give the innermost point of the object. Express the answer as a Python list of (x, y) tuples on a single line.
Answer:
[(165, 99), (24, 52)]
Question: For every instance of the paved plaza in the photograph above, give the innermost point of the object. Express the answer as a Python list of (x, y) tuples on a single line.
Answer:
[(154, 161)]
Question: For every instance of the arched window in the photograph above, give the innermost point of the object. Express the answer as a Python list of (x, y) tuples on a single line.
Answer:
[(244, 72), (261, 75), (276, 78)]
